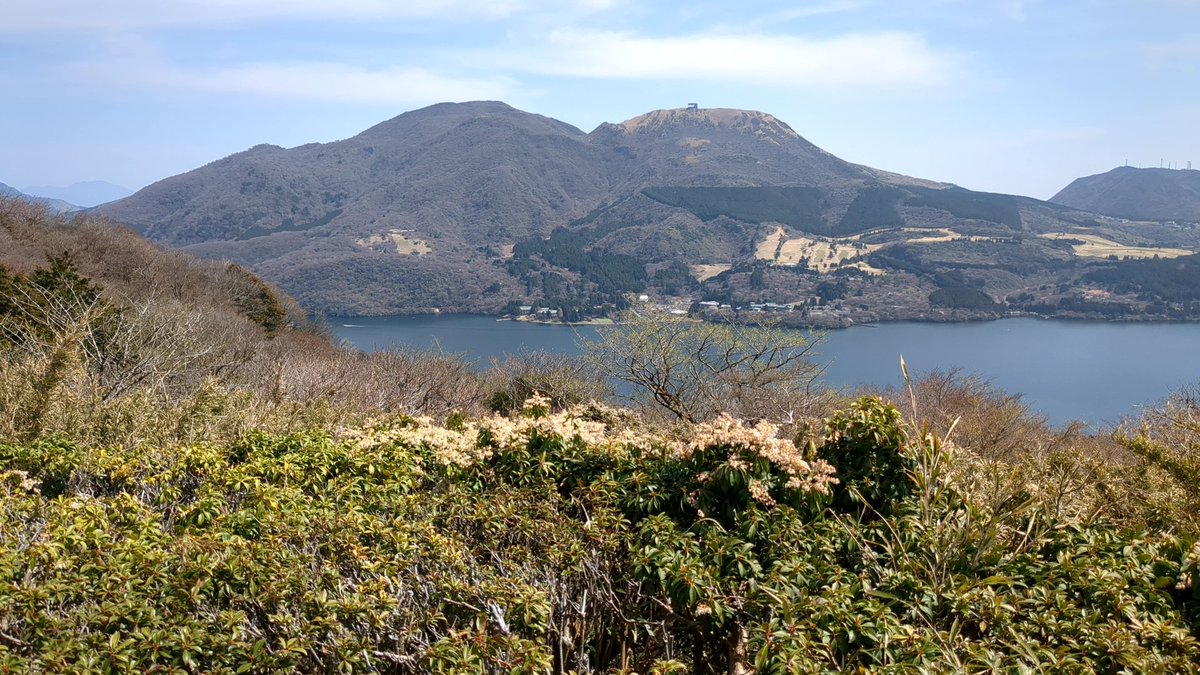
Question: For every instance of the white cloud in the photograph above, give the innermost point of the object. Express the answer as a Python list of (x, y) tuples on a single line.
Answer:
[(125, 15), (874, 59), (814, 10), (327, 82)]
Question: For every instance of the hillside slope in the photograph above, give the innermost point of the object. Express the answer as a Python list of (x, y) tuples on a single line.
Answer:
[(108, 339), (1137, 194), (132, 271), (480, 207), (390, 220)]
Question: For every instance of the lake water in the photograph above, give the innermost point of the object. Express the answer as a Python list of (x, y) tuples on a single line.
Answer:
[(1095, 372)]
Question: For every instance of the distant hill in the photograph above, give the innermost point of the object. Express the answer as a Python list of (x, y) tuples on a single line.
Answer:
[(1137, 194), (479, 207), (394, 219), (55, 205), (85, 194)]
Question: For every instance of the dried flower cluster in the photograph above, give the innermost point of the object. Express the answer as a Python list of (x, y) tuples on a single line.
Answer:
[(565, 424), (18, 479), (462, 447), (449, 446), (538, 403), (761, 440), (761, 492)]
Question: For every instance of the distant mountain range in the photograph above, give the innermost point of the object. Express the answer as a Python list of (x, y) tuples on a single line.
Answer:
[(56, 206), (86, 194), (1137, 194), (481, 207)]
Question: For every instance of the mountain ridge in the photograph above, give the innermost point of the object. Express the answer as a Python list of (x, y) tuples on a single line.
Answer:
[(481, 207), (85, 194), (1137, 194), (57, 206)]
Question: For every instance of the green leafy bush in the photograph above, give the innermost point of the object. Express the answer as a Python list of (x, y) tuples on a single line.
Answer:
[(868, 446), (568, 540)]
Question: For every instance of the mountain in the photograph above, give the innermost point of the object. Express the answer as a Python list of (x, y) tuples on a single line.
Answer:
[(86, 194), (392, 219), (480, 207), (55, 205), (1137, 194)]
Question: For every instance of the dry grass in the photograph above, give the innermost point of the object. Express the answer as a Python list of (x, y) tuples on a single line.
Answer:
[(718, 117), (873, 271), (706, 272), (820, 254), (404, 245), (825, 254), (767, 248), (1098, 247)]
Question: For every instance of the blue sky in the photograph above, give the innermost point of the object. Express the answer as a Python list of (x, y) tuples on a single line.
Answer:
[(1016, 96)]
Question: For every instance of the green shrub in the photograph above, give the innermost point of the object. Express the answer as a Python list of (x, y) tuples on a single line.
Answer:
[(559, 541), (868, 446)]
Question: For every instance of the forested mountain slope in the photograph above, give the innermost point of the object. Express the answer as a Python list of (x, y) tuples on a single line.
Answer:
[(482, 207)]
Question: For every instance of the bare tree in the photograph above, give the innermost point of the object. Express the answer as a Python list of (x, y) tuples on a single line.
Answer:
[(566, 379), (158, 343), (693, 370), (44, 337), (306, 369)]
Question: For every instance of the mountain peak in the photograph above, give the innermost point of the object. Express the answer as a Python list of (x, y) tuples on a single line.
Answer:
[(442, 117), (1137, 194), (55, 205), (746, 121)]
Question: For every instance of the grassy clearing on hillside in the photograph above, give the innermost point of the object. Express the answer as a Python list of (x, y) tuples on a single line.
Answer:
[(404, 245), (705, 272), (1094, 246), (819, 254), (823, 254)]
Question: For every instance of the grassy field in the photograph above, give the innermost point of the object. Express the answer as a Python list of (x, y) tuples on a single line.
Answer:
[(1098, 247), (404, 245), (825, 254), (767, 248), (706, 272), (820, 254)]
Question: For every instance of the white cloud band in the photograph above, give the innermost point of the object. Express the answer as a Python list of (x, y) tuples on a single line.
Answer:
[(878, 59), (326, 82)]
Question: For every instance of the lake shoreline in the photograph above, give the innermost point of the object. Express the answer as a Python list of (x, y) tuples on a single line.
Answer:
[(1094, 371), (789, 326)]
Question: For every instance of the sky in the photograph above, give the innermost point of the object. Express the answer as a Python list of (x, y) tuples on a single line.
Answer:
[(1014, 96)]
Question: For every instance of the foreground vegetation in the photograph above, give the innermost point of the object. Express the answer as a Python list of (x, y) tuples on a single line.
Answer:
[(551, 542), (197, 481)]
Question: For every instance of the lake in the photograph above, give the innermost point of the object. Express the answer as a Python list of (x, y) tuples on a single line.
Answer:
[(1095, 372)]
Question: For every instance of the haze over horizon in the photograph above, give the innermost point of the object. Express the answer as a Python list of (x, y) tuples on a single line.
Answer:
[(1016, 96)]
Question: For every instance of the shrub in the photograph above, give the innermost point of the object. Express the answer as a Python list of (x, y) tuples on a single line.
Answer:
[(868, 447), (562, 540)]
